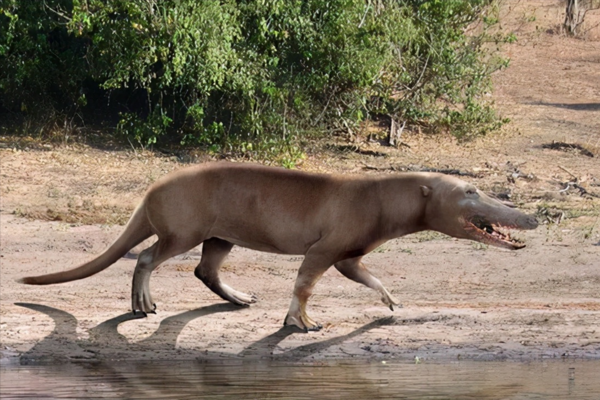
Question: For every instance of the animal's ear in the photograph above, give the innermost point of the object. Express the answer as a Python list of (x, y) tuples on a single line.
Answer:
[(425, 190)]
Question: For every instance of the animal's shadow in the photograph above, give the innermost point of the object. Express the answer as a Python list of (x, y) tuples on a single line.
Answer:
[(106, 334), (255, 371)]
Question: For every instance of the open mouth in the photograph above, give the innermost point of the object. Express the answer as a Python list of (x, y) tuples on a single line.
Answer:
[(493, 234)]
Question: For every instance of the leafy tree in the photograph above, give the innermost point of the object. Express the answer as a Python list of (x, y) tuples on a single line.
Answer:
[(42, 66)]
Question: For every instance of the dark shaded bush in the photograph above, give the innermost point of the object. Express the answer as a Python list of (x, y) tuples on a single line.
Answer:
[(42, 65), (246, 75)]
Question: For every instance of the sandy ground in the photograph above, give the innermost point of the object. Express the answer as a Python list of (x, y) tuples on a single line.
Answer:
[(61, 205)]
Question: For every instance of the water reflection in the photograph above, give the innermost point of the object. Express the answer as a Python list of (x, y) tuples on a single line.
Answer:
[(288, 380)]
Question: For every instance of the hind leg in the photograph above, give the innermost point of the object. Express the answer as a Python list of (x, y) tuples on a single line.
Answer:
[(214, 252), (148, 260), (354, 269)]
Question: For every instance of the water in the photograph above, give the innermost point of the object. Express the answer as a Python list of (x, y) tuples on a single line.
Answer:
[(279, 380)]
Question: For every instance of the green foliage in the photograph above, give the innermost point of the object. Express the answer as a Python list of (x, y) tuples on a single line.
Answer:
[(41, 66), (144, 131), (251, 77), (450, 79)]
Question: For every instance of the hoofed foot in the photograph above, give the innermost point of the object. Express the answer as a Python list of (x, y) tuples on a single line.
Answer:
[(390, 300), (241, 298), (303, 322), (142, 302), (226, 292), (144, 313)]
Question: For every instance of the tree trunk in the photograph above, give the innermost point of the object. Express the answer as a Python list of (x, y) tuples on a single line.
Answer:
[(575, 14), (395, 132)]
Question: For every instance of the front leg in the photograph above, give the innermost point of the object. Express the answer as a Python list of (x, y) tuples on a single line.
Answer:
[(312, 268), (354, 269)]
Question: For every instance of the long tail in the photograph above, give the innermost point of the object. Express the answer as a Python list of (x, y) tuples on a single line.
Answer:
[(136, 230)]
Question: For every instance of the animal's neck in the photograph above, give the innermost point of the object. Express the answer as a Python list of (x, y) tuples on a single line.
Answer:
[(404, 208)]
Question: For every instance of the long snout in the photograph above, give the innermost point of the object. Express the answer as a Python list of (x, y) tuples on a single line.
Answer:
[(501, 214), (527, 222)]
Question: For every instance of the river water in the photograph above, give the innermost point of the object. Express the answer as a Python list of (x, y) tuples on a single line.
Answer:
[(570, 379)]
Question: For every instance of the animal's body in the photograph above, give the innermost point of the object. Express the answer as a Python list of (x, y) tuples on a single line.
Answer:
[(330, 219)]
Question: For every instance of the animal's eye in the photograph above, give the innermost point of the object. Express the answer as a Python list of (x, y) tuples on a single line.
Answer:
[(471, 191)]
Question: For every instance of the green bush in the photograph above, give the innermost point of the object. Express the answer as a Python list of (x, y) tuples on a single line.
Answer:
[(247, 76), (42, 65)]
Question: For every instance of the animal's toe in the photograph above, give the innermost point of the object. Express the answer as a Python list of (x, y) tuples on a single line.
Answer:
[(315, 328), (244, 299), (142, 313), (303, 322)]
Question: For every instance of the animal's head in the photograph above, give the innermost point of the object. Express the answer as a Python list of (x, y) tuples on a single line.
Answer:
[(459, 209)]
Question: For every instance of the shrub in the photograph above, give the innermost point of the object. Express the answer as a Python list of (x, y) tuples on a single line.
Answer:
[(42, 65), (248, 76)]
